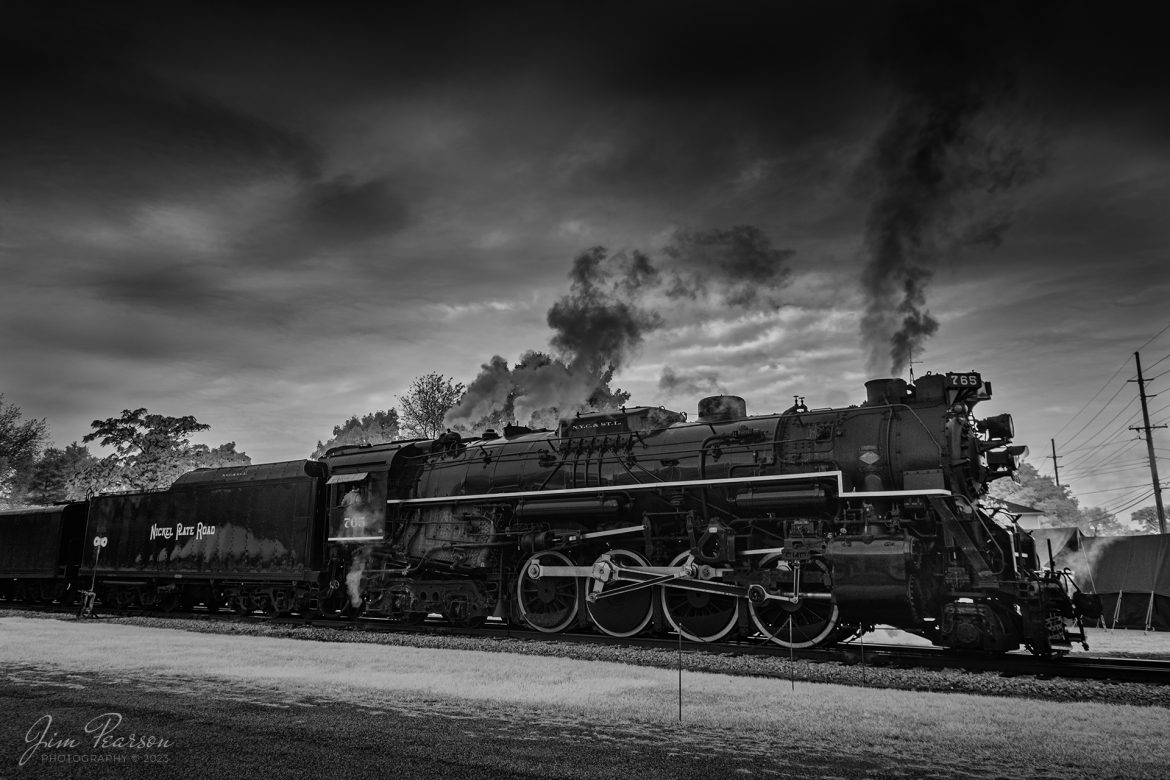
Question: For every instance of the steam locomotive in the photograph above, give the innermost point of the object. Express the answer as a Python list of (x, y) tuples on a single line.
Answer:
[(800, 528)]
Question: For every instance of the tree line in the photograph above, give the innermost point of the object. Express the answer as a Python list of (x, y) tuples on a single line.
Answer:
[(150, 451), (1062, 510)]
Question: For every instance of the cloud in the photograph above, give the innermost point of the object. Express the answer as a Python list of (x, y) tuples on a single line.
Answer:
[(452, 311), (693, 382), (280, 230), (80, 126), (343, 209), (170, 288)]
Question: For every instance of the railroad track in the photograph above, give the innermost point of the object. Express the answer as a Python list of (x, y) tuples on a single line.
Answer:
[(1017, 664), (1074, 666)]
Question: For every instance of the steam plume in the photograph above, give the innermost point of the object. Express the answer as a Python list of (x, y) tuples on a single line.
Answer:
[(353, 579)]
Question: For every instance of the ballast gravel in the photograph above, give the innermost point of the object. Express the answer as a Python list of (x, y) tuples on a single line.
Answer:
[(695, 660)]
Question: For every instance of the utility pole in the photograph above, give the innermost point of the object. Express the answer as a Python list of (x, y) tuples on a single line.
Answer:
[(1055, 468), (1148, 430)]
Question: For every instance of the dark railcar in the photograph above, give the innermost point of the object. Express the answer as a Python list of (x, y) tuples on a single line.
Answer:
[(40, 550), (212, 537)]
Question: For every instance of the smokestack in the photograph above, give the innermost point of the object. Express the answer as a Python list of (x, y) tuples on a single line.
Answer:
[(881, 392), (722, 408)]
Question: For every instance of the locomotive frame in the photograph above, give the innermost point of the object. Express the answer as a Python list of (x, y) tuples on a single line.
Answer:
[(799, 528), (802, 527)]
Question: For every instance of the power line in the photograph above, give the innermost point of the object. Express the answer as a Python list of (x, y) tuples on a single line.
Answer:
[(1156, 335), (1094, 398), (1113, 464), (1159, 360), (1072, 438), (1120, 459), (1095, 451), (1121, 504), (1093, 473), (1108, 490), (1089, 451), (1094, 467), (1131, 504), (1106, 385), (1113, 419), (1102, 445)]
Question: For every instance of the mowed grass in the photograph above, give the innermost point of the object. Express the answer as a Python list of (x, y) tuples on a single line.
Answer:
[(1128, 642), (948, 733)]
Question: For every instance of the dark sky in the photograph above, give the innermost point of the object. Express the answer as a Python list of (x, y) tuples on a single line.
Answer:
[(274, 216)]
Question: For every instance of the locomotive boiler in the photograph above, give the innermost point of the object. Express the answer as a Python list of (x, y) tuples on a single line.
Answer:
[(801, 527)]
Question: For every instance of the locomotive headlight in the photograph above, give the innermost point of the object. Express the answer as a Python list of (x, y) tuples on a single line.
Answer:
[(998, 427), (1008, 458)]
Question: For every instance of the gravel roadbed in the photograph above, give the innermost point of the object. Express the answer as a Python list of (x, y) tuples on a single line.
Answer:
[(945, 681)]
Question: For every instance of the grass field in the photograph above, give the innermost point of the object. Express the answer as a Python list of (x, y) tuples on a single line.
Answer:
[(1123, 642), (920, 733)]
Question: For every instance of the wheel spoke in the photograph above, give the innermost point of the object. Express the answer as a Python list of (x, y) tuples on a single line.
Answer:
[(698, 616), (549, 604), (809, 623), (629, 613)]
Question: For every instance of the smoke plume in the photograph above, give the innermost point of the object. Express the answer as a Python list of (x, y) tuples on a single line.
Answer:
[(738, 265), (601, 323), (596, 327), (946, 148)]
